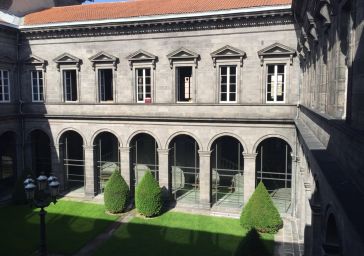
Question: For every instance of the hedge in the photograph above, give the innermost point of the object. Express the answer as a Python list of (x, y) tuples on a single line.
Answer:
[(116, 193), (148, 196), (260, 212)]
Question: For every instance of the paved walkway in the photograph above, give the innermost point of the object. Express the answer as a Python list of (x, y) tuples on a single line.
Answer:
[(91, 246), (287, 241)]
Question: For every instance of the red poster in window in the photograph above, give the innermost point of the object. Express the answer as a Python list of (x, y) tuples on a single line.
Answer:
[(147, 100)]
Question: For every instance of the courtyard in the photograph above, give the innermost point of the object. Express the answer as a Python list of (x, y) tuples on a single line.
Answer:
[(73, 225)]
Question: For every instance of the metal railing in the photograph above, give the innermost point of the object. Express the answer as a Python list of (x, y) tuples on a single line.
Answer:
[(185, 183), (227, 187), (74, 173), (140, 169)]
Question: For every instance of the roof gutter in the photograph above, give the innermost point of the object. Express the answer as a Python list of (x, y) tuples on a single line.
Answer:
[(162, 17)]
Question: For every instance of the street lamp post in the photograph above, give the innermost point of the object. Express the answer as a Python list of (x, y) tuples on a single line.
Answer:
[(48, 189)]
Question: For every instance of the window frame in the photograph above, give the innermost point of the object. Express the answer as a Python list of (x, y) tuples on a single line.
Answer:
[(135, 70), (228, 66), (2, 87), (64, 86), (32, 85), (193, 86), (275, 101), (98, 85)]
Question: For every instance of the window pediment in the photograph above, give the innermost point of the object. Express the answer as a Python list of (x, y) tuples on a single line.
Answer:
[(66, 59), (182, 54), (277, 50), (228, 52), (103, 57), (142, 56), (36, 61)]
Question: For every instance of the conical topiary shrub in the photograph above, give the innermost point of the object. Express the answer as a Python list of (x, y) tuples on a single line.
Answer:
[(148, 196), (116, 193), (260, 212)]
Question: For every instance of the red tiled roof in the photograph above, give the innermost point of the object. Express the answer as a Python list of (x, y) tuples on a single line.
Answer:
[(137, 8)]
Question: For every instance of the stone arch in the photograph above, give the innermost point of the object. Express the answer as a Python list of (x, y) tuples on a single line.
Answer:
[(331, 239), (47, 132), (245, 147), (105, 130), (255, 147), (59, 135), (174, 135), (130, 138), (2, 132)]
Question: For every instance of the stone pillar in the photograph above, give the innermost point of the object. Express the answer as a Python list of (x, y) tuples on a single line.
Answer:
[(19, 160), (28, 164), (308, 224), (90, 184), (125, 164), (57, 169), (249, 175), (205, 179), (163, 172)]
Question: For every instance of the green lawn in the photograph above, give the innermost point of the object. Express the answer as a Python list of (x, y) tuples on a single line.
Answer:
[(70, 225), (178, 234)]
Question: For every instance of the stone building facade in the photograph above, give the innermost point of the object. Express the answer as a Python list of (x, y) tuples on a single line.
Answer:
[(248, 93)]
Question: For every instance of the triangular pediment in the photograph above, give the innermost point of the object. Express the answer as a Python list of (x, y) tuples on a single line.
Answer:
[(66, 58), (228, 51), (103, 57), (183, 53), (276, 49), (34, 60), (141, 55), (6, 60)]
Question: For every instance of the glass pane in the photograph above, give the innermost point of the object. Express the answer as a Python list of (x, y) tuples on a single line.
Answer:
[(6, 74), (223, 96), (139, 72), (232, 70), (147, 71), (280, 69), (232, 96), (223, 88), (223, 79), (233, 79), (271, 69), (223, 70), (232, 88)]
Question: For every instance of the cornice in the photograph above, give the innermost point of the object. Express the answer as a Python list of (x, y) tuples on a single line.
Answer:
[(165, 26)]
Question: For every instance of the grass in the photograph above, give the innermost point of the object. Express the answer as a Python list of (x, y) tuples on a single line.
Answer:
[(70, 225), (178, 234)]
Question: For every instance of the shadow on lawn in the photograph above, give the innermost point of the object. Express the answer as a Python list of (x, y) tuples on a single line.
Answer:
[(66, 234), (145, 239)]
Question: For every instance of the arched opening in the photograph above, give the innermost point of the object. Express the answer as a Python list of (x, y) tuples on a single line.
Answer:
[(71, 146), (274, 169), (184, 169), (8, 161), (332, 245), (106, 157), (41, 153), (227, 175), (143, 157)]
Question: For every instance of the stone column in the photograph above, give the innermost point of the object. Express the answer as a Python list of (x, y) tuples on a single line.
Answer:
[(28, 161), (125, 164), (19, 160), (205, 179), (163, 172), (90, 184), (57, 169), (249, 175)]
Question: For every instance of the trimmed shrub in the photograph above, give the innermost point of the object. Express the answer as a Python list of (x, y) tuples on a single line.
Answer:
[(148, 196), (252, 245), (18, 196), (260, 212), (116, 193)]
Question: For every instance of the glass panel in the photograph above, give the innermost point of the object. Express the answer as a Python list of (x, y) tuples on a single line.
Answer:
[(223, 79), (223, 96), (232, 88), (223, 88), (223, 70), (280, 69), (232, 70), (271, 69), (232, 97)]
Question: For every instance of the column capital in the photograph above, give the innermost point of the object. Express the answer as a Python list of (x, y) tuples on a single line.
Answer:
[(54, 146), (204, 153), (250, 155), (162, 151), (88, 147), (124, 149)]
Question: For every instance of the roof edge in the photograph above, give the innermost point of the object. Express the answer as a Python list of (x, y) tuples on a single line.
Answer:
[(161, 17)]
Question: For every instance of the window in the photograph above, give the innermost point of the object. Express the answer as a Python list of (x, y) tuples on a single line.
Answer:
[(227, 83), (276, 82), (105, 85), (143, 83), (4, 86), (184, 83), (37, 85), (70, 85)]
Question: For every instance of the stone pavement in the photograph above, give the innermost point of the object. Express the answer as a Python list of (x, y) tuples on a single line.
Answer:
[(287, 242)]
